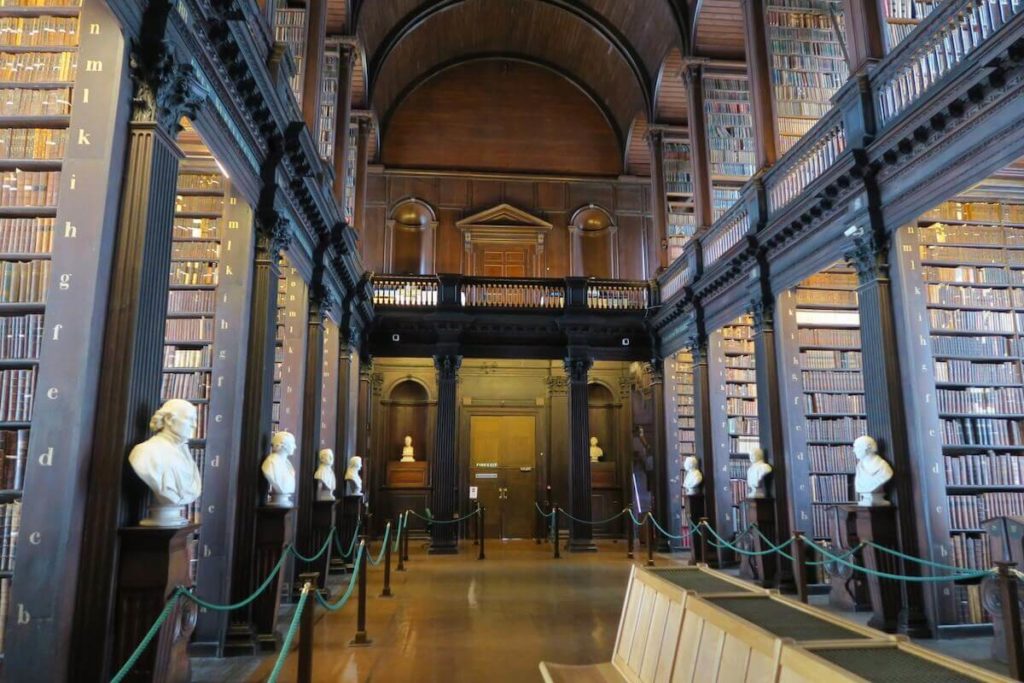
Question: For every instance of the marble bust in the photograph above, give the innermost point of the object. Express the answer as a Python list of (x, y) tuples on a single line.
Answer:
[(408, 455), (756, 474), (873, 472), (164, 463), (596, 452), (693, 478), (353, 482), (279, 471), (326, 482)]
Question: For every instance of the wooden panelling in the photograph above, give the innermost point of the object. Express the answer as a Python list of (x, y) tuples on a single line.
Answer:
[(670, 95), (498, 115), (629, 198), (581, 195), (638, 152), (551, 197), (337, 16), (719, 29), (454, 192), (359, 99), (485, 194), (631, 241)]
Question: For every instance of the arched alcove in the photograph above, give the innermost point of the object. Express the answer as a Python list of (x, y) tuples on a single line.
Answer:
[(408, 414), (602, 416), (594, 242), (409, 238)]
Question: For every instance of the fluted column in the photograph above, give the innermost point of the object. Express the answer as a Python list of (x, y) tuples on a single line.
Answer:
[(657, 252), (577, 368), (667, 500), (700, 167), (342, 120), (312, 84), (703, 441), (886, 415), (362, 161), (443, 468)]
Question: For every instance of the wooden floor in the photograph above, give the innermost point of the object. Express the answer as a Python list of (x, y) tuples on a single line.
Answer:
[(455, 619)]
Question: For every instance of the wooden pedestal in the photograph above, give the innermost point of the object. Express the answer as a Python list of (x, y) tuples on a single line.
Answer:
[(323, 522), (760, 569), (603, 475), (878, 524), (351, 508), (408, 475), (153, 562), (849, 588), (273, 533), (694, 507)]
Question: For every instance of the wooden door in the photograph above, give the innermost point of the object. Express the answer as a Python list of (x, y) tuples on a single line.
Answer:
[(503, 260), (503, 460)]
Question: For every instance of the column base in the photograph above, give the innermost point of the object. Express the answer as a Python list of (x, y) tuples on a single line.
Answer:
[(360, 640), (443, 550), (584, 545), (914, 624), (240, 641), (762, 570), (268, 642)]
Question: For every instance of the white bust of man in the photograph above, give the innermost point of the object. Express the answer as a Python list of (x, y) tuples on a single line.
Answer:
[(872, 473), (324, 475), (693, 478), (164, 463), (407, 452), (353, 482), (756, 474), (596, 452), (279, 471)]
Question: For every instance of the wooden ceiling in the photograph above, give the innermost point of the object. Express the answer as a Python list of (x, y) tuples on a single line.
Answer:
[(670, 91), (718, 29)]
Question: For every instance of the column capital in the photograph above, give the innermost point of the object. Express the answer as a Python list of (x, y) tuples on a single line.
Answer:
[(558, 385), (447, 365), (320, 302), (577, 367), (869, 256), (762, 309)]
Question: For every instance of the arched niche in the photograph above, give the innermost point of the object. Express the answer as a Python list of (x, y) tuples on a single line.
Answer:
[(409, 238), (408, 411), (603, 418), (594, 242)]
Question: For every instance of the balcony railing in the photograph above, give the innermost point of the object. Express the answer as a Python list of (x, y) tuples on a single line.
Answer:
[(447, 291), (808, 159), (726, 233)]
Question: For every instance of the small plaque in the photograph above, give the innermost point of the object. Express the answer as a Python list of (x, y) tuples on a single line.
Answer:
[(472, 492)]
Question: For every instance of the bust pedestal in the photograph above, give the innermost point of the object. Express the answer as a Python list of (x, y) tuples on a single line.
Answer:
[(761, 569), (153, 562), (273, 533), (694, 506), (347, 521), (323, 522), (407, 474), (878, 524), (849, 587)]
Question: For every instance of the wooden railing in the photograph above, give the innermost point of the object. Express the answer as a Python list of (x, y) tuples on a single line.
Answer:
[(512, 293), (617, 295), (404, 290), (808, 159), (726, 233)]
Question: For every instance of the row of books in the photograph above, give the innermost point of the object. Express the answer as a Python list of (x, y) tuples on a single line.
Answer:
[(834, 403), (38, 67), (189, 329), (823, 520), (969, 372), (290, 29), (832, 458), (40, 3), (839, 429), (740, 375), (193, 273), (10, 525), (952, 295), (827, 359), (208, 250), (969, 609), (13, 451), (740, 448), (790, 101), (741, 407), (35, 101), (29, 188), (988, 469), (980, 346), (980, 400), (971, 321), (968, 512), (175, 357), (738, 489), (982, 431), (977, 211), (791, 61), (198, 204), (831, 488), (191, 301), (829, 337), (837, 297), (741, 390), (21, 336), (24, 281), (735, 346), (203, 182), (972, 235), (17, 389), (32, 143), (26, 235), (908, 9), (189, 386), (741, 362), (824, 380), (971, 552), (974, 255), (38, 31), (196, 228), (981, 275), (798, 45)]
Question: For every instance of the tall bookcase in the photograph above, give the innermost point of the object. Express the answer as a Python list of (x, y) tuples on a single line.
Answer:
[(681, 430), (808, 62), (38, 66), (679, 196), (290, 29), (350, 186), (731, 154), (902, 17), (292, 308), (734, 423), (820, 328), (329, 98), (329, 392), (962, 271)]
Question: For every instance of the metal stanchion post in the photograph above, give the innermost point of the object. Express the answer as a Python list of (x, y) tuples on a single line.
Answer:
[(386, 593), (405, 543), (704, 546), (554, 539), (630, 534), (480, 529), (1011, 619), (306, 628), (361, 637), (402, 533), (650, 540), (800, 565)]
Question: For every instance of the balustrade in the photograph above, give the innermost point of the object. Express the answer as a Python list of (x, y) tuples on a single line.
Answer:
[(397, 290), (808, 159), (618, 296), (725, 234), (500, 293)]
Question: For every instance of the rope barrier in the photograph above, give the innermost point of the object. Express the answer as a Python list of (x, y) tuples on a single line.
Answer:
[(593, 523), (899, 577), (541, 510), (402, 520), (352, 544), (383, 547), (290, 635), (435, 520), (851, 551), (320, 553), (918, 560), (635, 520), (742, 551), (663, 532), (153, 630), (238, 605), (334, 607)]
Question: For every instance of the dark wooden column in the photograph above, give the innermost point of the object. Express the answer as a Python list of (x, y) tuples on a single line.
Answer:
[(703, 440), (577, 368), (312, 390), (769, 408), (760, 79), (348, 403), (132, 361), (444, 476), (312, 84), (364, 408), (883, 398), (342, 120), (362, 160), (664, 462), (699, 166), (865, 31), (657, 252)]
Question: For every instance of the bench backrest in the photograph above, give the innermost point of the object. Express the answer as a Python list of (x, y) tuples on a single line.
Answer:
[(652, 616)]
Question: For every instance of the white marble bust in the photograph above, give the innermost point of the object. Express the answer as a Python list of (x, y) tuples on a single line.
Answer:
[(872, 473), (164, 463), (326, 482), (353, 482), (756, 474), (408, 455), (693, 478), (596, 452), (279, 471)]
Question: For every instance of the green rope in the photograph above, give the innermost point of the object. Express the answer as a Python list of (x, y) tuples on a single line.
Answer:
[(323, 549), (541, 510), (918, 560), (383, 546), (398, 536), (898, 577), (635, 520), (663, 532), (263, 586), (292, 628), (434, 520), (351, 545), (592, 523), (742, 551), (334, 607), (774, 547), (849, 552), (150, 634)]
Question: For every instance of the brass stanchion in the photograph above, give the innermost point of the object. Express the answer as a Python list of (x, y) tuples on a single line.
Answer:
[(361, 638), (799, 565), (650, 540), (1011, 619), (480, 529), (630, 534), (704, 543), (402, 534), (386, 593), (554, 539), (306, 628), (405, 543)]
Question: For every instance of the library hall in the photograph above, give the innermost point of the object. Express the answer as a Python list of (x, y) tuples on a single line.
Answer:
[(487, 341)]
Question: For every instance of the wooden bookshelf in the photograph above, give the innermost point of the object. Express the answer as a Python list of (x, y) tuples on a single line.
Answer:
[(808, 63), (350, 186), (329, 98), (682, 223), (902, 17), (329, 390), (731, 154), (290, 28), (681, 430)]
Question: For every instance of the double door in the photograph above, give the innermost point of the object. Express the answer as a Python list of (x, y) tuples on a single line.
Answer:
[(502, 458)]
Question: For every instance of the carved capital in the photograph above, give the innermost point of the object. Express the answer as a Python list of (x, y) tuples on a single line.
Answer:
[(447, 366), (655, 369), (320, 302), (625, 387), (577, 367), (376, 383), (558, 385), (164, 88), (869, 257), (762, 309)]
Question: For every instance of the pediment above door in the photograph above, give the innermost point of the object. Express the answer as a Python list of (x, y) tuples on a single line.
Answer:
[(504, 222)]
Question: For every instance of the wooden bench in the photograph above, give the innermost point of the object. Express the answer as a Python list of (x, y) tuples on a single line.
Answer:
[(696, 624)]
